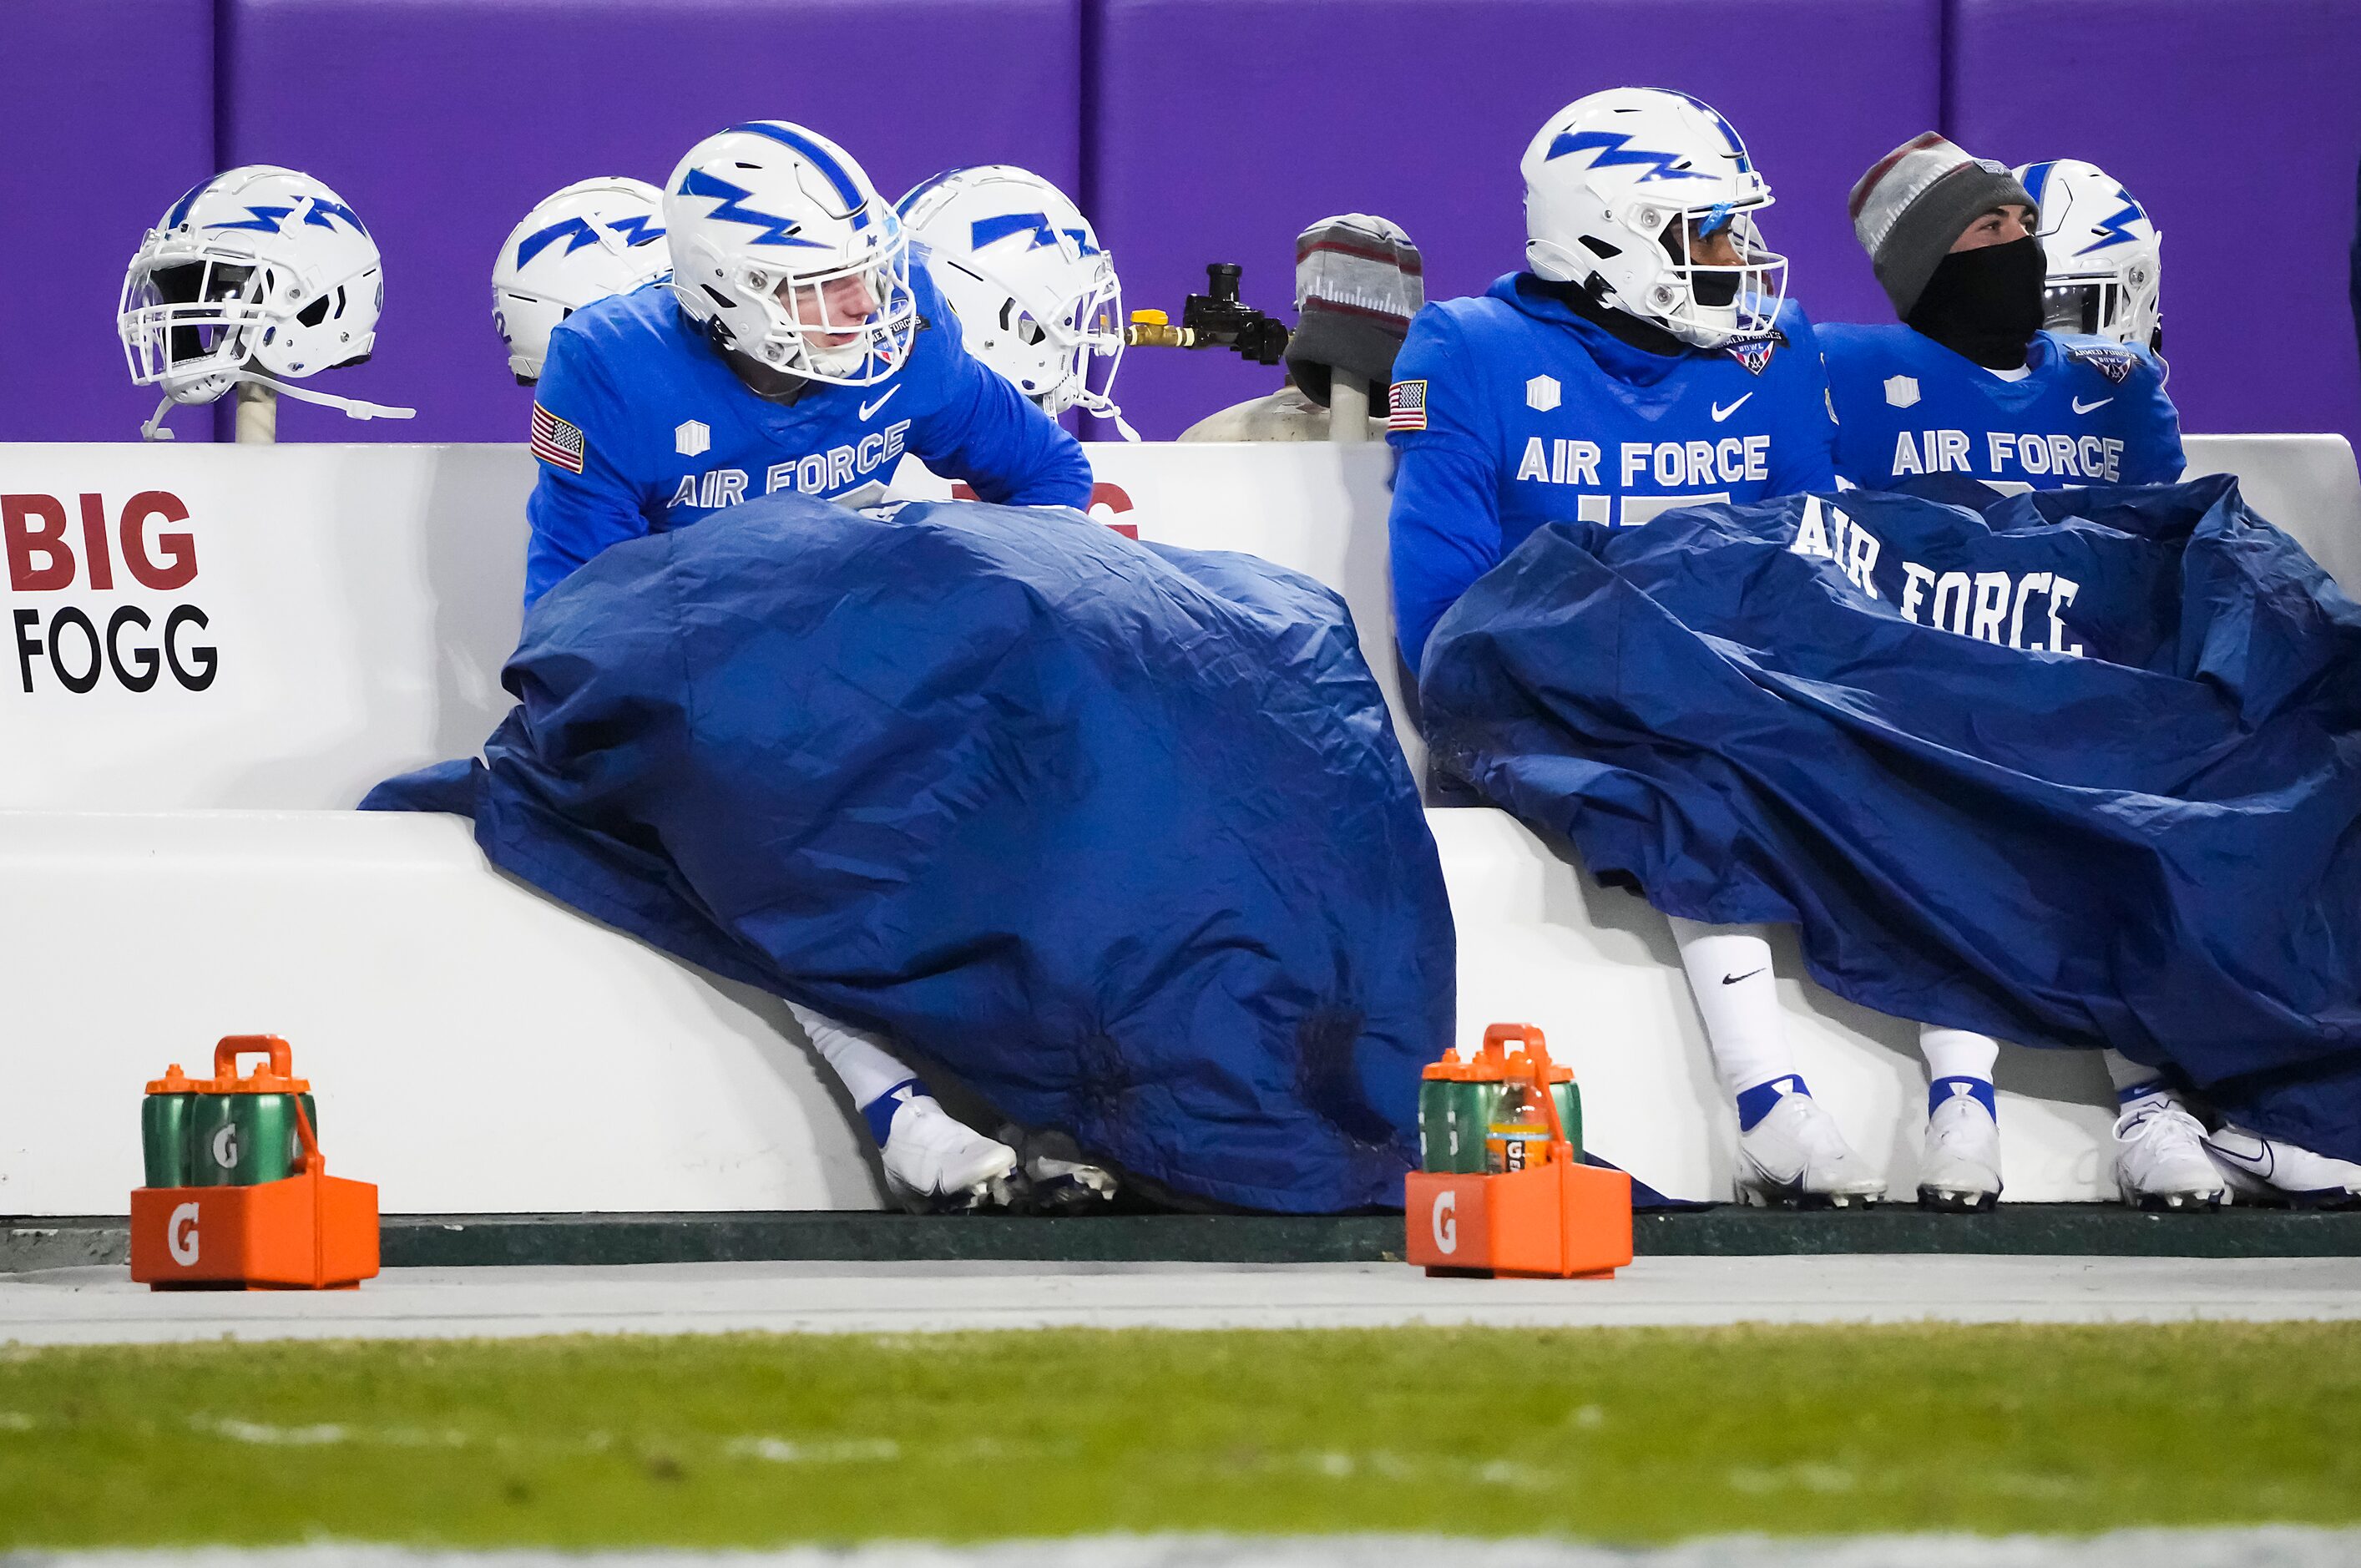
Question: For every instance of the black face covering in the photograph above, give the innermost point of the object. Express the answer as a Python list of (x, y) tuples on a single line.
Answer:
[(1985, 305)]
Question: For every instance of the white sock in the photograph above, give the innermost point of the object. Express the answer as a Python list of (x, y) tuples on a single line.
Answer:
[(1957, 1053), (1958, 1061), (2133, 1080), (1730, 975), (858, 1057)]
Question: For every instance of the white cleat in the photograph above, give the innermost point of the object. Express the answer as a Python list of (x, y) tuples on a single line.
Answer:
[(1795, 1159), (2160, 1159), (1058, 1180), (2267, 1170), (939, 1164), (1961, 1167)]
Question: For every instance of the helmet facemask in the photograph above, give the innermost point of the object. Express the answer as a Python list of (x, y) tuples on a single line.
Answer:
[(1707, 303), (191, 321), (1069, 334), (799, 310), (2100, 304)]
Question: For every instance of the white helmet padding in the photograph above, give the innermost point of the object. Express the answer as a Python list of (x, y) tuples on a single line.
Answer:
[(766, 221), (1611, 176)]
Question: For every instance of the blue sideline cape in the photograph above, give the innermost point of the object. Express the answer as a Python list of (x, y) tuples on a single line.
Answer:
[(2153, 845), (1119, 834)]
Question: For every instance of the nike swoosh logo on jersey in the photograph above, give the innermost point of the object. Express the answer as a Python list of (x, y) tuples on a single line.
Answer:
[(868, 408), (2082, 408), (1720, 413), (1749, 974)]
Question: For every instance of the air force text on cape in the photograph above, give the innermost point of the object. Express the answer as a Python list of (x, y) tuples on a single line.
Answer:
[(2022, 611)]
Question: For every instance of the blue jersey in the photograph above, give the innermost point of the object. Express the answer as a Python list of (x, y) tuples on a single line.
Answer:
[(2091, 412), (1511, 410), (641, 426)]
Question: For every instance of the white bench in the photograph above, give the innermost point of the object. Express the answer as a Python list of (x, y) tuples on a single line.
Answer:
[(182, 865)]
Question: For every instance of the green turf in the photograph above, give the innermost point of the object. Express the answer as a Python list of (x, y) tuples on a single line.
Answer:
[(1617, 1434)]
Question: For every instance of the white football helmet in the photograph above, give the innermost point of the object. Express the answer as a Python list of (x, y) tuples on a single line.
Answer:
[(594, 238), (2105, 258), (262, 275), (769, 225), (1611, 175), (1037, 296)]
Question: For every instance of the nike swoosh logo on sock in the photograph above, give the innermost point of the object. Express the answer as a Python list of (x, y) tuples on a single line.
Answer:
[(1734, 979)]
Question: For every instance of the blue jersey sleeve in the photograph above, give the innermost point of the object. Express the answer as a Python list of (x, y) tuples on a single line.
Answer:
[(984, 430), (2154, 457), (1445, 527), (574, 515), (1805, 455)]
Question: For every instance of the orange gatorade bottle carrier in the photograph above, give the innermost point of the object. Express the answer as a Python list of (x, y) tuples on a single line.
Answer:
[(238, 1194), (1516, 1202)]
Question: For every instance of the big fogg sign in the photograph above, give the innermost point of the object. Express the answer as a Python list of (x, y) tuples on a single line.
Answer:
[(138, 548)]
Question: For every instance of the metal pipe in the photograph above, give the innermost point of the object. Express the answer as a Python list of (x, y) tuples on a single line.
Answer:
[(1348, 409), (257, 414)]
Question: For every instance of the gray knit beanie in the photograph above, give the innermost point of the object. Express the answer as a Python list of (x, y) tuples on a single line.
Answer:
[(1358, 280), (1915, 204)]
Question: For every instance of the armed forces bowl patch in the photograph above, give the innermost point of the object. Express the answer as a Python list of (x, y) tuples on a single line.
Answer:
[(556, 442), (1754, 353), (1406, 410), (2114, 364)]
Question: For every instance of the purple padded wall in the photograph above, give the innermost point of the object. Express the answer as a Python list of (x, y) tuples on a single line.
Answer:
[(442, 121), (1224, 126), (2237, 127), (106, 115)]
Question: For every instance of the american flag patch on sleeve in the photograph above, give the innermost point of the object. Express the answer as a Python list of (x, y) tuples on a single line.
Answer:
[(555, 441), (1407, 407)]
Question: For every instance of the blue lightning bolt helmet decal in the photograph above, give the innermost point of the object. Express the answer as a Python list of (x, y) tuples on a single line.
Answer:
[(323, 212), (635, 229), (775, 230), (1612, 153), (179, 211), (989, 231), (265, 220), (2037, 180), (575, 232), (856, 201), (2110, 229), (1729, 132)]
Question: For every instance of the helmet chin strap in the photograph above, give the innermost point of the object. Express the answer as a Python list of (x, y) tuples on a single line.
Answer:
[(154, 430), (1097, 403), (353, 407)]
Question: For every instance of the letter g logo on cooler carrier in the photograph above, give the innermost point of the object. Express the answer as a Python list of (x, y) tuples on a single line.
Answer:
[(180, 1235), (1446, 1221)]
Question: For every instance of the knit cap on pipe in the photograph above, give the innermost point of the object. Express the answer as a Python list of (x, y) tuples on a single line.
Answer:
[(1359, 280), (1915, 202)]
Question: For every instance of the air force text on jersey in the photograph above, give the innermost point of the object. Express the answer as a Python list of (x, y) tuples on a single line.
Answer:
[(1512, 411), (2087, 411), (642, 427)]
